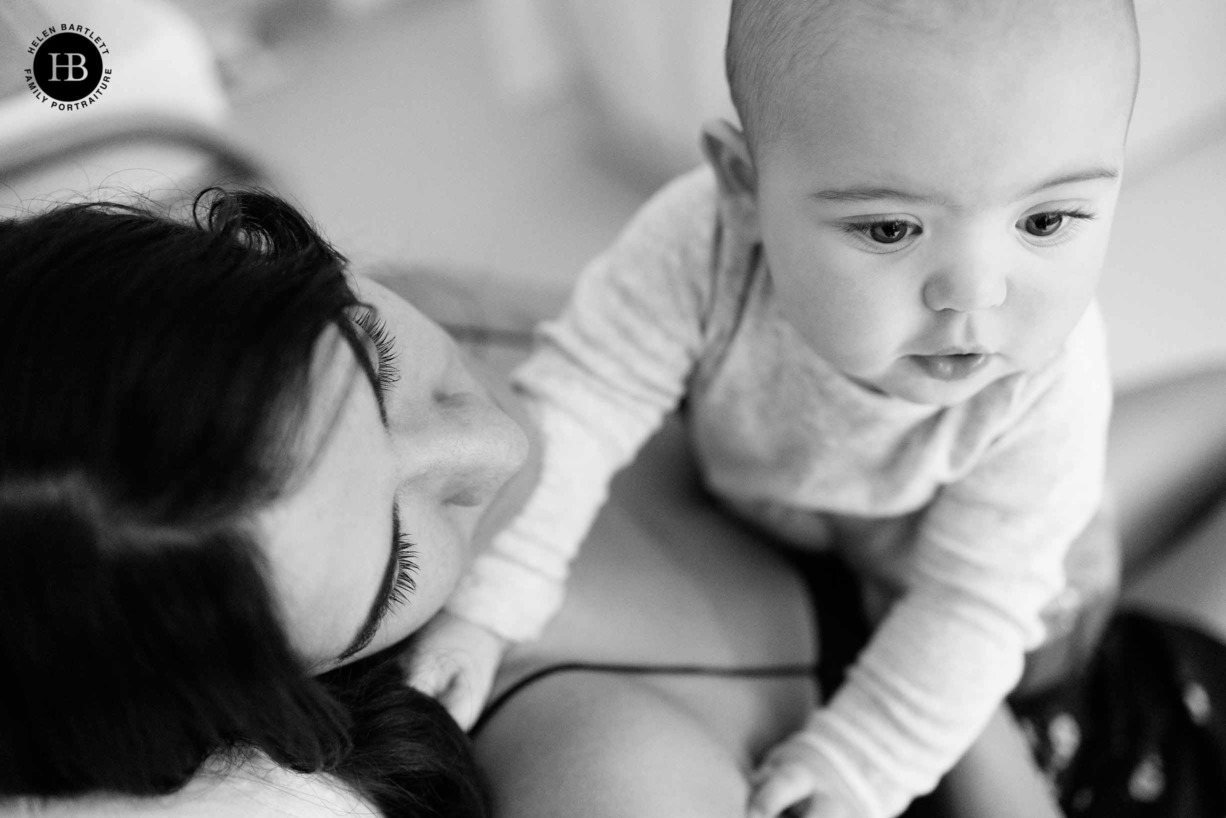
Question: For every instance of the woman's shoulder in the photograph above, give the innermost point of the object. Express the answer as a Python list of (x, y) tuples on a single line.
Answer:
[(255, 787)]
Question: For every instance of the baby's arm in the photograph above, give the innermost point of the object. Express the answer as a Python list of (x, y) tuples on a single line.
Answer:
[(989, 557), (599, 382), (455, 661), (996, 778)]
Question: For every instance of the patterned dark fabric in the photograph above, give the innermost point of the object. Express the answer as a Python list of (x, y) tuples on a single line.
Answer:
[(1143, 732), (1140, 732)]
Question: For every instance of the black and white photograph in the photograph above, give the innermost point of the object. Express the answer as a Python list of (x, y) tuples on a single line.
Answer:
[(613, 408)]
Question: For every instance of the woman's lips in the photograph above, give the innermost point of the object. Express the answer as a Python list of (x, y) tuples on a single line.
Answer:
[(955, 366)]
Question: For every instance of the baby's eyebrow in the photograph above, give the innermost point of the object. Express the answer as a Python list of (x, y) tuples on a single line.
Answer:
[(874, 193), (1087, 175)]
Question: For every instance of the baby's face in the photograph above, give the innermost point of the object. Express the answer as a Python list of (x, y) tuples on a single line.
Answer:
[(936, 211)]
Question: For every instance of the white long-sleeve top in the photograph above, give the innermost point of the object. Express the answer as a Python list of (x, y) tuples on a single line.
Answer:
[(974, 506), (252, 787)]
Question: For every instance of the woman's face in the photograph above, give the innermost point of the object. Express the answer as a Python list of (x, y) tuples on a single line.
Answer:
[(402, 463)]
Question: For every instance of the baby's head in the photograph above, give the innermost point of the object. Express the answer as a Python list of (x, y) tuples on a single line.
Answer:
[(933, 180)]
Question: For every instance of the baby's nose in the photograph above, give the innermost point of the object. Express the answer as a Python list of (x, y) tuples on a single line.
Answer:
[(965, 288)]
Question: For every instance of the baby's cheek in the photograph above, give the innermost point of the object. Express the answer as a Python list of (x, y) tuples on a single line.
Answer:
[(1050, 327)]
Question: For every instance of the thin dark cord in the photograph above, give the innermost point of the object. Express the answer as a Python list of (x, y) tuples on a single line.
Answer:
[(763, 672)]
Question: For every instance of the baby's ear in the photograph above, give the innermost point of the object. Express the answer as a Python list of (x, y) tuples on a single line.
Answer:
[(728, 154)]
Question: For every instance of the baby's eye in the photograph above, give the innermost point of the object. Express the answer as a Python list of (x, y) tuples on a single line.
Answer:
[(1052, 224), (1044, 224), (888, 232)]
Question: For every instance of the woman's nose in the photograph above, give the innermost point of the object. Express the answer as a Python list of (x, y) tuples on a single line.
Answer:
[(462, 451)]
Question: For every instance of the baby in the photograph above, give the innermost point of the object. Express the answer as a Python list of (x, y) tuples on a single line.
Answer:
[(877, 302)]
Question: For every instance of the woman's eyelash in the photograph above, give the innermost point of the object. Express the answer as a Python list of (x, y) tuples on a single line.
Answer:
[(403, 584), (406, 566), (385, 346)]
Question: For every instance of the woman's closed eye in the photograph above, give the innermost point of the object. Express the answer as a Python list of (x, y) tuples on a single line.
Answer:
[(395, 590), (403, 585), (385, 347)]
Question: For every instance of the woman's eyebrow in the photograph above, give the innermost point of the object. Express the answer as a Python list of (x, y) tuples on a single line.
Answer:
[(362, 352), (378, 608)]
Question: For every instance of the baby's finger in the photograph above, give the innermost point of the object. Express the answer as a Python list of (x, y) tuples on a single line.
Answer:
[(431, 677), (779, 786), (461, 704)]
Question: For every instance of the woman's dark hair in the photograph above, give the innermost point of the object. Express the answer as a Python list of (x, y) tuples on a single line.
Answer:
[(154, 375)]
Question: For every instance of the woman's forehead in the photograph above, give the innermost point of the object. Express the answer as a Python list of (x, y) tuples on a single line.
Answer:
[(326, 539)]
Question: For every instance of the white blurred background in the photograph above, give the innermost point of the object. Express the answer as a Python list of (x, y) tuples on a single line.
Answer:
[(508, 140)]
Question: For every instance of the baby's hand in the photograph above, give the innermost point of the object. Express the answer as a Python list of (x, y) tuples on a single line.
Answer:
[(789, 782), (454, 661)]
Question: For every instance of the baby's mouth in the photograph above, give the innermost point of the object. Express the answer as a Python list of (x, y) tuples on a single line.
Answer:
[(951, 366)]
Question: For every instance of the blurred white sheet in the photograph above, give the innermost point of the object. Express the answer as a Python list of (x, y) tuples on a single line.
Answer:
[(163, 69)]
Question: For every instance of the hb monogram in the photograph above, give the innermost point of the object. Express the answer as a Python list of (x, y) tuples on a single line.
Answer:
[(72, 64)]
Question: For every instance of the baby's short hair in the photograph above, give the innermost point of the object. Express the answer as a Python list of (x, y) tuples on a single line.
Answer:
[(769, 40)]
